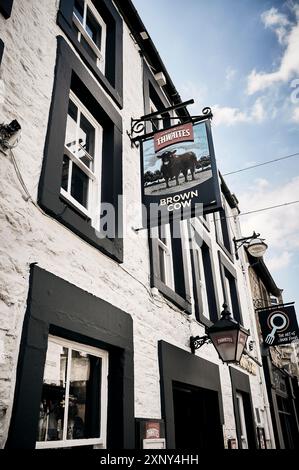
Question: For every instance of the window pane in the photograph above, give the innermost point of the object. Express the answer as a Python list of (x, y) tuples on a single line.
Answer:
[(71, 125), (88, 49), (79, 9), (84, 397), (65, 173), (86, 141), (51, 416), (162, 264), (79, 188), (93, 28)]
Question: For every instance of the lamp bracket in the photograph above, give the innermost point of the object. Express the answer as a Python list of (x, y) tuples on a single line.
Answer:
[(197, 342), (138, 126)]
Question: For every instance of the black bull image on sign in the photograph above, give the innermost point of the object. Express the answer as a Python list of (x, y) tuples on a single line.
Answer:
[(173, 165)]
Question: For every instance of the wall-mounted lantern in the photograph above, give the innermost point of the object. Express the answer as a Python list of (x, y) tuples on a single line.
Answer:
[(227, 335), (255, 246)]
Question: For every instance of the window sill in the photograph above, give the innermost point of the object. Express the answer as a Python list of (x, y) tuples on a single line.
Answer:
[(172, 296), (75, 221), (68, 444)]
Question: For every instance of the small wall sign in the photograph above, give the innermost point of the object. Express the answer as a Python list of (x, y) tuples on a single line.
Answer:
[(279, 325)]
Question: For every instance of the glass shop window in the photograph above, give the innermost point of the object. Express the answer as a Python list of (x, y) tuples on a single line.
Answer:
[(92, 31), (73, 407), (82, 160)]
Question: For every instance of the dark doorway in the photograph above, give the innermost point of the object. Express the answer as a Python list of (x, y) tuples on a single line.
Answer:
[(196, 418)]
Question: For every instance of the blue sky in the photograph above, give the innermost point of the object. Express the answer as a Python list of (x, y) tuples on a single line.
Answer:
[(241, 57)]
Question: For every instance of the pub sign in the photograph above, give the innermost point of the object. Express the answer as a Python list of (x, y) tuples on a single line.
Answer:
[(179, 174), (279, 325)]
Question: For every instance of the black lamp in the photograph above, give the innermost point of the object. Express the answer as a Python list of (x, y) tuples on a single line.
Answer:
[(227, 335)]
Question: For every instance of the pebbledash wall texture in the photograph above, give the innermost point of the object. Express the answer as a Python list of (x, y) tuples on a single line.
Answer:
[(29, 236)]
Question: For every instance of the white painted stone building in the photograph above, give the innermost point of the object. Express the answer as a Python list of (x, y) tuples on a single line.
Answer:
[(99, 298)]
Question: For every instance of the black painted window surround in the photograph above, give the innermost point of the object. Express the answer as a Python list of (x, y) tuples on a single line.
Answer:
[(112, 79), (153, 95), (6, 8), (1, 50), (71, 74), (223, 235), (203, 246), (229, 286), (179, 294), (56, 307)]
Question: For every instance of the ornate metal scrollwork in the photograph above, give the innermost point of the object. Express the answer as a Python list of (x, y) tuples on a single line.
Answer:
[(207, 112), (138, 126), (197, 342)]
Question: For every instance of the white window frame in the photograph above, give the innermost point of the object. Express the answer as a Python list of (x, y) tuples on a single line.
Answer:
[(243, 437), (228, 294), (100, 442), (202, 282), (94, 183), (167, 253), (218, 226), (83, 32)]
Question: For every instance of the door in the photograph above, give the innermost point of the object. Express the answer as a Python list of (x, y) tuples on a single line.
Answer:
[(196, 418)]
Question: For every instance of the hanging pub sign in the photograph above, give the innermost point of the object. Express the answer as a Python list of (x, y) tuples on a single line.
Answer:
[(278, 325), (179, 174)]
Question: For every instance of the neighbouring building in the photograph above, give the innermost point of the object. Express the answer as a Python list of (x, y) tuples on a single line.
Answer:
[(280, 363), (95, 332)]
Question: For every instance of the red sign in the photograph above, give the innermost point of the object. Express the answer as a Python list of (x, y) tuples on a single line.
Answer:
[(174, 135), (152, 430)]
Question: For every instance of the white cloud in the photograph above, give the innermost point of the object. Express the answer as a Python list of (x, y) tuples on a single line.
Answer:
[(225, 115), (277, 21), (289, 63), (295, 116), (258, 111), (262, 183), (228, 116), (279, 261), (280, 226), (230, 74)]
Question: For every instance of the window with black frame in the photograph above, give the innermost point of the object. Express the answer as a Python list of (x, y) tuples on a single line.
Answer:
[(155, 101), (204, 286), (95, 29), (73, 407), (168, 264), (81, 170), (82, 166), (1, 50), (91, 30), (223, 234), (230, 288)]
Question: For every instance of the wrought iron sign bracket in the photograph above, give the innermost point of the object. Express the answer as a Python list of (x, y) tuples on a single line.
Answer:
[(197, 342), (138, 126)]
